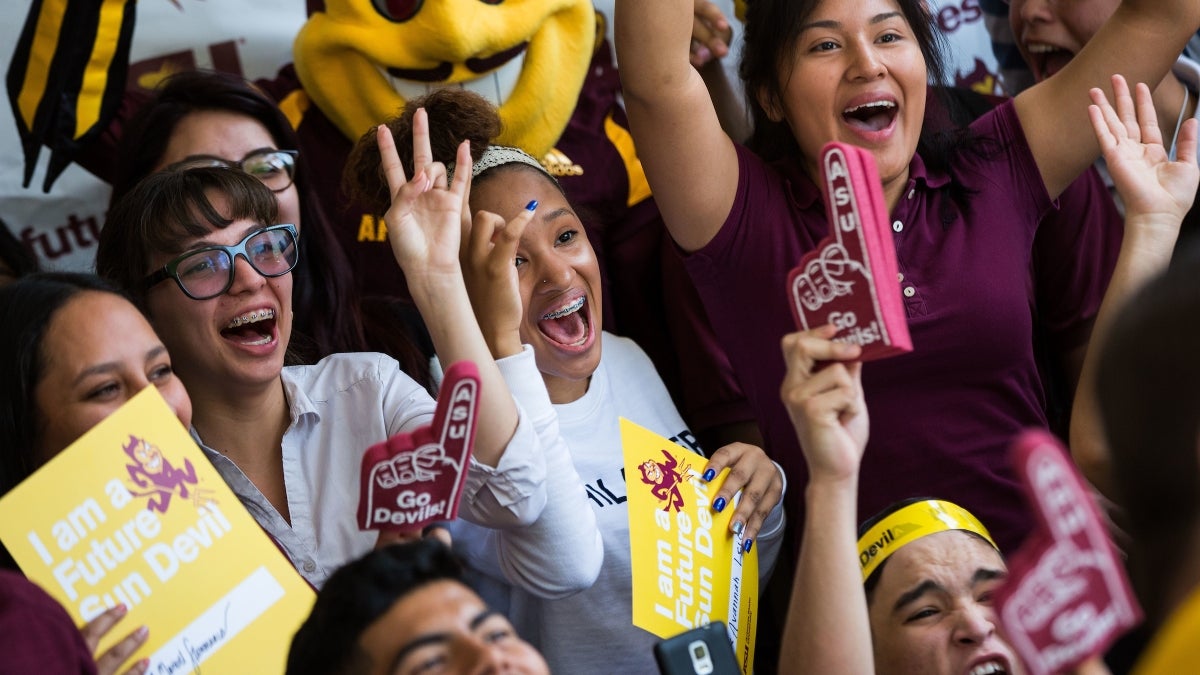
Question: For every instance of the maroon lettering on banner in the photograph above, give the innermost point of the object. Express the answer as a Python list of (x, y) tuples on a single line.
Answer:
[(77, 234), (225, 57), (952, 17)]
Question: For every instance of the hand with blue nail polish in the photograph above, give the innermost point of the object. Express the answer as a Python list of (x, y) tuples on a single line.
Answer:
[(492, 281), (748, 545), (752, 474)]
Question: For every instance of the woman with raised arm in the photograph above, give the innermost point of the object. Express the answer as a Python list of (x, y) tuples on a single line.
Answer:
[(535, 286), (963, 212), (202, 250)]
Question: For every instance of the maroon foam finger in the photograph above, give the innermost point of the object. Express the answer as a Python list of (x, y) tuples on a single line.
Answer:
[(1066, 597), (849, 279), (414, 479)]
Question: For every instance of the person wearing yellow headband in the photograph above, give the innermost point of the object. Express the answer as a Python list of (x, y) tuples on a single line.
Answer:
[(924, 570)]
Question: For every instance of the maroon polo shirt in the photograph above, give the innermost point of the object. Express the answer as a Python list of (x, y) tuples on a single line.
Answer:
[(977, 283)]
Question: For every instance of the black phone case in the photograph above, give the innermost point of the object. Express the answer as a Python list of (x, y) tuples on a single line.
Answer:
[(680, 655)]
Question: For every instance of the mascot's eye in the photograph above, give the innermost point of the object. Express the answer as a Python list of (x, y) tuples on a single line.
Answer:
[(491, 2), (398, 10)]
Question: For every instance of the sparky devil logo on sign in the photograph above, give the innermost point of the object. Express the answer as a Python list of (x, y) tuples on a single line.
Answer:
[(848, 279), (414, 479), (155, 477)]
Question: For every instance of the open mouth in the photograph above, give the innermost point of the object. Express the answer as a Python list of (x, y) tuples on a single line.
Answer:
[(569, 325), (994, 667), (1046, 59), (498, 76), (873, 116), (252, 328)]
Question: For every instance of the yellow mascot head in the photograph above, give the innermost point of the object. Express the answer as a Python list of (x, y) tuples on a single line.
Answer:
[(360, 60)]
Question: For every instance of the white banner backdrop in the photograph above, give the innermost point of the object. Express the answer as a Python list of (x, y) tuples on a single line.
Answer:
[(253, 38)]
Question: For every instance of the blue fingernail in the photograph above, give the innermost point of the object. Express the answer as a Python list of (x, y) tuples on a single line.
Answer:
[(719, 504), (748, 545), (531, 205), (709, 475)]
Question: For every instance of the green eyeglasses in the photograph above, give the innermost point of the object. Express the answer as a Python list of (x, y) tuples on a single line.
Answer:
[(208, 272), (275, 168)]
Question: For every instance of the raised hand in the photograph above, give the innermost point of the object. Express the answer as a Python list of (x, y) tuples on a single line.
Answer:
[(826, 405), (1149, 182), (711, 33), (1157, 193), (491, 277), (425, 220)]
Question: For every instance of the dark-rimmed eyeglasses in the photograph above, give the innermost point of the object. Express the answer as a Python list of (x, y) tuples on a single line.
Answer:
[(208, 272), (275, 168)]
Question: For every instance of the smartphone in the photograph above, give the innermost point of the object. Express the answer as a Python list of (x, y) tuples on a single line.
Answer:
[(699, 651)]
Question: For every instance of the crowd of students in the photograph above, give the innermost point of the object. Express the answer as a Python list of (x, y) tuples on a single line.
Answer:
[(221, 283)]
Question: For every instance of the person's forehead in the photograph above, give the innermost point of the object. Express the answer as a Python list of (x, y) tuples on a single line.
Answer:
[(950, 558), (196, 133), (512, 186), (445, 606)]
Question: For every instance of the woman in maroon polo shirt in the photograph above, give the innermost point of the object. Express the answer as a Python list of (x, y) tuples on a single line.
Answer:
[(964, 213)]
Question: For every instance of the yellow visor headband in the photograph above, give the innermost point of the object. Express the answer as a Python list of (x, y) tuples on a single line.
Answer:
[(910, 523)]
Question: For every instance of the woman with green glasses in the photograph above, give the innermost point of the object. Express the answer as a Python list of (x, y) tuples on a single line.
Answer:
[(200, 250)]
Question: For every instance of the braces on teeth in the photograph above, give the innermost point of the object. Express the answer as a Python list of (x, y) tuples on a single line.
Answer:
[(252, 317), (558, 314)]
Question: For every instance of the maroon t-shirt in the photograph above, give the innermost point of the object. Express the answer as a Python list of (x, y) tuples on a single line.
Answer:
[(36, 633), (972, 283)]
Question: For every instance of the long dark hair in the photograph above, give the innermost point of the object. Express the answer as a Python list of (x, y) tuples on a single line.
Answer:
[(772, 27), (27, 306)]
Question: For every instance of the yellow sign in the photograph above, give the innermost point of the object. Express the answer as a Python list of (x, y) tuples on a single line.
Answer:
[(133, 512), (688, 568)]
